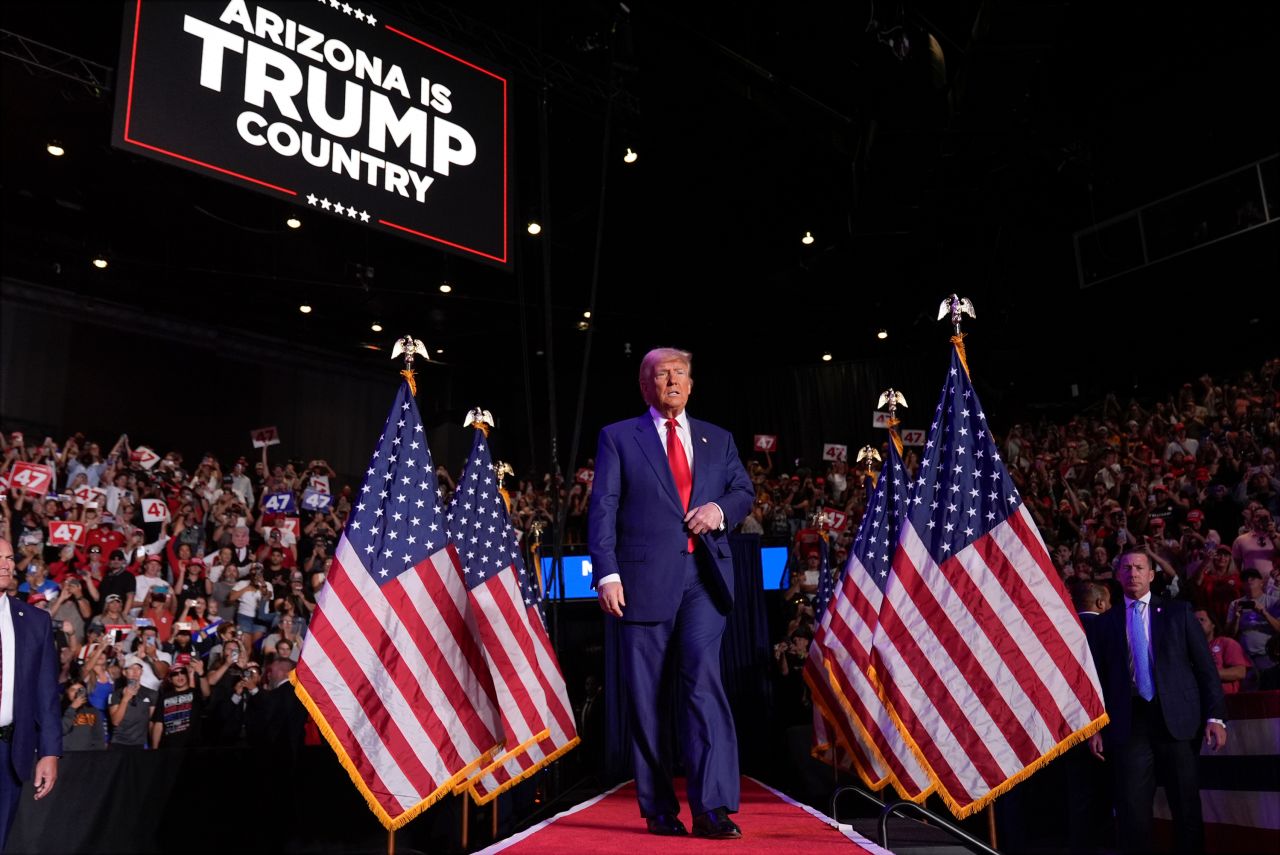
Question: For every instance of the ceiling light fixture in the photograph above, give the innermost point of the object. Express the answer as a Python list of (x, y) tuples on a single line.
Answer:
[(55, 148), (375, 326), (439, 350), (100, 262), (583, 326), (882, 334), (826, 357), (293, 223), (807, 239), (445, 287), (630, 156), (586, 314), (535, 228), (305, 309)]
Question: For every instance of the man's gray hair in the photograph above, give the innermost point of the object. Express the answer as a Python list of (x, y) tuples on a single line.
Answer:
[(662, 354)]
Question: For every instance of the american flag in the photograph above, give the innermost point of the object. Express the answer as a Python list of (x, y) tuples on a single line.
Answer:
[(977, 647), (840, 658), (536, 715), (389, 669)]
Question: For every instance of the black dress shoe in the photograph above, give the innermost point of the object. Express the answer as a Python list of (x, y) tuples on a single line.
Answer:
[(716, 825), (666, 824)]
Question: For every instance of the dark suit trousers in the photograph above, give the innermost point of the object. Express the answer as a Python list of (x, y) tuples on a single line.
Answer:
[(10, 789), (690, 643), (1152, 755)]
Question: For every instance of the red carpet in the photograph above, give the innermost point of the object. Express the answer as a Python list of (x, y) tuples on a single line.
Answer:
[(611, 823)]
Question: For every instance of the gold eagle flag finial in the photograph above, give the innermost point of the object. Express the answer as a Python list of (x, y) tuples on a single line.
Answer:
[(409, 347)]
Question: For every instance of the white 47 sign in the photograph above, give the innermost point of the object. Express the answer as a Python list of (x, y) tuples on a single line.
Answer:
[(835, 451)]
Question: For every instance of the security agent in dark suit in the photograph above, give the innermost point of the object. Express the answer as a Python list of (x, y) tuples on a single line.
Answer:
[(30, 712), (1161, 690)]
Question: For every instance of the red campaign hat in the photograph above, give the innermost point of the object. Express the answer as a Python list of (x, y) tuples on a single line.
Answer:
[(156, 558), (1202, 474), (1195, 516), (197, 561)]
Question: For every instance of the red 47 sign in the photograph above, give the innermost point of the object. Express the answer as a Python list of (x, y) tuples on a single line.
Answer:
[(836, 519), (262, 437), (766, 442), (32, 477), (291, 525), (66, 533)]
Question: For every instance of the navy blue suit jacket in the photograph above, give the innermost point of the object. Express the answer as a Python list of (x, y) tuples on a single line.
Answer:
[(37, 714), (636, 522), (1187, 683)]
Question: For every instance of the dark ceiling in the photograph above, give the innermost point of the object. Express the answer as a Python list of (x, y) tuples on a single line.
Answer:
[(961, 160)]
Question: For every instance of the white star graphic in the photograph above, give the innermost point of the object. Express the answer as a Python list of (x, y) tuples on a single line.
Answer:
[(364, 216), (311, 198)]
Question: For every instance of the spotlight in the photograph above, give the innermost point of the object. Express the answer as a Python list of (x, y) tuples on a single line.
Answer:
[(439, 350), (583, 326), (535, 228), (630, 156), (55, 148), (375, 326), (305, 309), (807, 239), (586, 315), (882, 334), (293, 223), (100, 261), (826, 357), (445, 287)]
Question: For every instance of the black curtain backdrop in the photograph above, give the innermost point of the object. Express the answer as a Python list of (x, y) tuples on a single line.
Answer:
[(744, 660)]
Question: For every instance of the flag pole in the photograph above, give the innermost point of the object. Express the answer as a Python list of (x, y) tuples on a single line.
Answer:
[(391, 841), (466, 810), (991, 824)]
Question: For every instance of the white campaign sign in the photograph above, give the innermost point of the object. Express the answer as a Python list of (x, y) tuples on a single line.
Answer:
[(835, 451), (913, 437), (155, 510)]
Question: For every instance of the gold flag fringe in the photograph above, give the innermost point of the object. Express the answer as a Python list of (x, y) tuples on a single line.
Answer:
[(409, 377), (536, 767)]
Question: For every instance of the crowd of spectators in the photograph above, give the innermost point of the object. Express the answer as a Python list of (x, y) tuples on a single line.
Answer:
[(176, 623), (1191, 478), (180, 630)]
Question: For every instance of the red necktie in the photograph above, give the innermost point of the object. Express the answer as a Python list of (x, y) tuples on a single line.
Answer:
[(679, 468)]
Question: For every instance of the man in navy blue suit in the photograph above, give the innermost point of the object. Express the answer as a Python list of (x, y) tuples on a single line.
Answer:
[(30, 715), (1161, 690), (667, 491)]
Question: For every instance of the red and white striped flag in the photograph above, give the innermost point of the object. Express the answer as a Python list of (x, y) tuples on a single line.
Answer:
[(854, 717), (534, 703), (977, 647), (389, 670)]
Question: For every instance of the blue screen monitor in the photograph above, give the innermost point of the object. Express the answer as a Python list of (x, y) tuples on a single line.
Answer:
[(577, 575), (773, 565)]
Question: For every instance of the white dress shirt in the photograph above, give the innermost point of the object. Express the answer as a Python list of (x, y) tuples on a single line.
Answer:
[(10, 661), (686, 440)]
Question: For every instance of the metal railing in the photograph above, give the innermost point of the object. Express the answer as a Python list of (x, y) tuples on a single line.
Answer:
[(899, 807)]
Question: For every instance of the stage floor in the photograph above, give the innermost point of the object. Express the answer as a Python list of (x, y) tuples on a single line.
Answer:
[(611, 823)]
